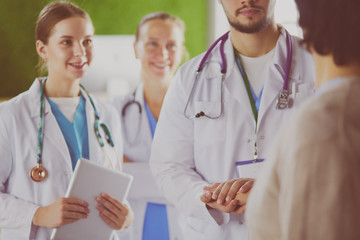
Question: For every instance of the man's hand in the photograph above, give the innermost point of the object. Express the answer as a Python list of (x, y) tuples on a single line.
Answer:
[(229, 196)]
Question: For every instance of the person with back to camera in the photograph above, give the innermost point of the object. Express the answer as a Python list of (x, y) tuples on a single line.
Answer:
[(159, 45), (310, 186), (221, 114), (54, 120)]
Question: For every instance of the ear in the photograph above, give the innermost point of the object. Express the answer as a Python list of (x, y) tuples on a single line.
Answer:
[(135, 50), (41, 49)]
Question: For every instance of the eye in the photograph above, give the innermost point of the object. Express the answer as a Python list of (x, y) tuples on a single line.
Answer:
[(66, 42), (87, 42), (172, 47), (152, 44)]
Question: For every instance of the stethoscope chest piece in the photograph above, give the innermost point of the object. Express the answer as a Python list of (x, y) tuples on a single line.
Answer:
[(38, 173), (283, 100)]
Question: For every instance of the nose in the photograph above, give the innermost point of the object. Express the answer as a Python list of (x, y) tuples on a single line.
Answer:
[(164, 53), (79, 50)]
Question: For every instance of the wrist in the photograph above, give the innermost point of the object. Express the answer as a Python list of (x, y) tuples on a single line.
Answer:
[(36, 218)]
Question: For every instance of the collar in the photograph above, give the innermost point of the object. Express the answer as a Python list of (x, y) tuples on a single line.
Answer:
[(279, 60), (34, 92)]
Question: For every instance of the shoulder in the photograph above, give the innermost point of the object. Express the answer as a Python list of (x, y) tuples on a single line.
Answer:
[(324, 129), (21, 104), (119, 102)]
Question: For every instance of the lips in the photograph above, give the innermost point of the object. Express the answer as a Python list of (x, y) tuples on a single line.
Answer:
[(78, 66), (161, 66), (248, 12)]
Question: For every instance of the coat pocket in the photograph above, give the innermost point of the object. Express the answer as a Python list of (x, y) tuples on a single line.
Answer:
[(207, 130)]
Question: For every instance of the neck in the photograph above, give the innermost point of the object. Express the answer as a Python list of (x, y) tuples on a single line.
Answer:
[(62, 88), (255, 44), (154, 93), (326, 69)]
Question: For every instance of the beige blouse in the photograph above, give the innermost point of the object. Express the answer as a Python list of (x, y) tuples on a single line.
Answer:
[(310, 186)]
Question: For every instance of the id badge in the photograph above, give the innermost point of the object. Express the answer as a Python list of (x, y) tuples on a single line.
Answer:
[(248, 169)]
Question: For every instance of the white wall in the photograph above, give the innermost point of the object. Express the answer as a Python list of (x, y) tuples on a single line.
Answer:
[(114, 70)]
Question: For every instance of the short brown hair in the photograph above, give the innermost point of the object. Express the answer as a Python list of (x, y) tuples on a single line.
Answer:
[(331, 27)]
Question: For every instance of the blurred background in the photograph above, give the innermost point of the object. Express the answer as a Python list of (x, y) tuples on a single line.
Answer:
[(114, 70)]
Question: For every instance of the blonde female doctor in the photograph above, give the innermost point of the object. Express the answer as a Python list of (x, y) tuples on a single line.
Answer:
[(159, 47), (47, 128)]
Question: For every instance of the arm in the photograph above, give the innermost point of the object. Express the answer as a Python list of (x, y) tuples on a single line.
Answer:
[(172, 156), (322, 189), (116, 214), (14, 212), (18, 212)]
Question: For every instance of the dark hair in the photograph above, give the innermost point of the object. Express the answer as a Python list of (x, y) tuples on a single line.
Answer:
[(53, 13), (162, 16), (331, 27)]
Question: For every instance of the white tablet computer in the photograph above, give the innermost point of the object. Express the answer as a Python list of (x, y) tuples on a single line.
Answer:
[(88, 181)]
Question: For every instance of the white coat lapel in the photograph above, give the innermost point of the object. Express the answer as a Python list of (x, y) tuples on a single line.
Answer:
[(95, 152), (144, 136), (233, 83), (53, 137), (274, 83)]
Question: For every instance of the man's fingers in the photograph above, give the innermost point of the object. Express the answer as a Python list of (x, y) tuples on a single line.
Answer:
[(247, 186)]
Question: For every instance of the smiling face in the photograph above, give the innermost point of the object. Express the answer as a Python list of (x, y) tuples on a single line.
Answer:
[(68, 52), (249, 16), (159, 48)]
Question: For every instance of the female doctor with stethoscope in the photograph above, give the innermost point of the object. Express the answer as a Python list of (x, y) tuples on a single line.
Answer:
[(47, 128), (159, 47)]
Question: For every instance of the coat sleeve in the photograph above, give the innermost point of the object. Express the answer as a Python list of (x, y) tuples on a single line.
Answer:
[(172, 156), (15, 213)]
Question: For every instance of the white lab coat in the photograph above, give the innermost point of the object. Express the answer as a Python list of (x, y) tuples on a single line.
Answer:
[(20, 197), (137, 145), (189, 154)]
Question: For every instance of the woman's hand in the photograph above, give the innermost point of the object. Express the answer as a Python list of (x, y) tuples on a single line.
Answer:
[(61, 212), (115, 214), (229, 196)]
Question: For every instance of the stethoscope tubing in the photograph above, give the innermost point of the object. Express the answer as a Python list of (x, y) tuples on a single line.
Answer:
[(131, 101), (222, 41), (97, 124)]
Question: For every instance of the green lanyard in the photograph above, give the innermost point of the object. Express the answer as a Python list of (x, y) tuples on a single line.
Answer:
[(248, 90)]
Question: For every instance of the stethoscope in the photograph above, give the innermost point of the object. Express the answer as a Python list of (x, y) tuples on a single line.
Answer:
[(39, 173), (283, 100), (131, 101)]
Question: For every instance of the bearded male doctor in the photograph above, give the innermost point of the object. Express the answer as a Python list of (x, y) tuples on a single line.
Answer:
[(220, 127)]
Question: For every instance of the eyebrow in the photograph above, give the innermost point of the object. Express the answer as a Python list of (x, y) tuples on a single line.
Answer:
[(66, 36)]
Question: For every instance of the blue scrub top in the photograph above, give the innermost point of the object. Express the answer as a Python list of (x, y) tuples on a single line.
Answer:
[(76, 132), (151, 119), (155, 222)]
